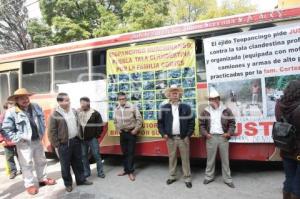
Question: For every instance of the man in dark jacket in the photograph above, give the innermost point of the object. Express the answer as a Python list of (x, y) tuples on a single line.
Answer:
[(90, 130), (176, 124), (63, 133), (217, 124)]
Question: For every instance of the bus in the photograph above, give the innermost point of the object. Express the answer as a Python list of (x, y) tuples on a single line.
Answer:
[(222, 52)]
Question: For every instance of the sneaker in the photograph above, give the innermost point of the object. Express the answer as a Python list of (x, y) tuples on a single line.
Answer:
[(188, 184), (47, 181), (86, 182), (170, 181), (32, 190), (207, 181), (101, 175), (69, 188), (230, 184), (12, 175)]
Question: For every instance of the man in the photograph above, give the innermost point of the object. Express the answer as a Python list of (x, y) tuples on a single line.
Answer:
[(128, 121), (24, 125), (64, 135), (90, 130), (176, 124), (10, 149), (217, 124)]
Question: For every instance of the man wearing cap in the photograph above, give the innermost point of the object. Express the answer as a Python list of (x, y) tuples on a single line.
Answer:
[(176, 124), (24, 125), (128, 121), (217, 124)]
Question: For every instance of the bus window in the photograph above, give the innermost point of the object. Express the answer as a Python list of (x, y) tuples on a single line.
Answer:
[(99, 65), (66, 72), (261, 26), (4, 88), (36, 75), (200, 63), (79, 60), (13, 81)]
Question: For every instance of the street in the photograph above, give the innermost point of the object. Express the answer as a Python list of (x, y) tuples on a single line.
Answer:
[(252, 180)]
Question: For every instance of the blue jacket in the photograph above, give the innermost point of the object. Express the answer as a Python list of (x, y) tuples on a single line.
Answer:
[(16, 125), (165, 120)]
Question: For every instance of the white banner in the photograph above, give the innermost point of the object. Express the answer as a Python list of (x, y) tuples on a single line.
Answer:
[(250, 70)]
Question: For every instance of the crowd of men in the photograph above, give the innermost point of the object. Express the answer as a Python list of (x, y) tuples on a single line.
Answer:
[(75, 132)]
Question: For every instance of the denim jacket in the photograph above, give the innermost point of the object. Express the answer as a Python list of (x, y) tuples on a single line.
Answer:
[(16, 125)]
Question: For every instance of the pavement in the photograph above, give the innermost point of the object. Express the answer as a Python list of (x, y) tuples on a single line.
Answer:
[(252, 180)]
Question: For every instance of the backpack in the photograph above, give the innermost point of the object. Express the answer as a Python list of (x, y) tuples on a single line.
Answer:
[(284, 135)]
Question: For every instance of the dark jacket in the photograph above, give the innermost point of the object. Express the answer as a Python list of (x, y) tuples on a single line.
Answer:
[(93, 129), (58, 129), (165, 120), (293, 119), (227, 121)]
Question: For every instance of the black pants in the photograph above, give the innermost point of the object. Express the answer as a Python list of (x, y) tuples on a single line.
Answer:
[(127, 142), (70, 155)]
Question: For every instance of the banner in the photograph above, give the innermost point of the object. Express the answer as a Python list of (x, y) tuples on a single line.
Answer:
[(144, 72), (250, 71)]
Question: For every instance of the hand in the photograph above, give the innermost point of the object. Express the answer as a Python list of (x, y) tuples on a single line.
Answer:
[(226, 135), (133, 132), (208, 136), (166, 137)]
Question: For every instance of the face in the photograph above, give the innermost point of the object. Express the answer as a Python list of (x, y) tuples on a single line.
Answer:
[(10, 104), (174, 96), (214, 102), (122, 100), (84, 105), (23, 101), (65, 104)]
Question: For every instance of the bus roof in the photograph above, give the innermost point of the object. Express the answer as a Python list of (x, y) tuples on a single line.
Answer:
[(157, 33)]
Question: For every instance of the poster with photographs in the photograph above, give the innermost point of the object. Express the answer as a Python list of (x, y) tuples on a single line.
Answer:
[(144, 82)]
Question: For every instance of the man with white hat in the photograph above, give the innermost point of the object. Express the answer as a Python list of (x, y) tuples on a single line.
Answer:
[(176, 124), (217, 124), (24, 125)]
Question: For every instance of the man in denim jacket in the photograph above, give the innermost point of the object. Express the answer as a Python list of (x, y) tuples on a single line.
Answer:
[(24, 125)]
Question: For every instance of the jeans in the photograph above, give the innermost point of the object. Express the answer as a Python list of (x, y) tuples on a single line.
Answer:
[(127, 142), (292, 176), (70, 155), (93, 145), (10, 152)]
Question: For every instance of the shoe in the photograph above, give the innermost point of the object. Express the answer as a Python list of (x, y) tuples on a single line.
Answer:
[(122, 174), (69, 188), (188, 184), (207, 181), (19, 172), (86, 182), (101, 175), (170, 181), (131, 177), (47, 181), (32, 190), (230, 184), (12, 175)]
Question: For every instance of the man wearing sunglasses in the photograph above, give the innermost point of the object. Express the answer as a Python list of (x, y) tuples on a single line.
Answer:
[(217, 124), (128, 121)]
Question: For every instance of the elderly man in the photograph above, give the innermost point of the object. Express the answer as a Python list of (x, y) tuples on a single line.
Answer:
[(128, 121), (176, 124), (64, 135), (24, 125), (217, 124)]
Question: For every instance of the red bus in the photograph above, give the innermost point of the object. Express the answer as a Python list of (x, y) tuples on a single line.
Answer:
[(42, 70)]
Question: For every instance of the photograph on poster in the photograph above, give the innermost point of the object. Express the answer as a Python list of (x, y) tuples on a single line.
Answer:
[(136, 96), (161, 75), (136, 76), (175, 82), (161, 84), (189, 93), (148, 85), (149, 95), (112, 88), (149, 105), (188, 72), (124, 87), (123, 78), (136, 86), (188, 82), (160, 94), (149, 115), (148, 75), (243, 97), (274, 90), (172, 74), (113, 79)]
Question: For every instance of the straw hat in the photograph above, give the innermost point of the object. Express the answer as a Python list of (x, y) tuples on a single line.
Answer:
[(173, 88), (18, 93), (213, 93)]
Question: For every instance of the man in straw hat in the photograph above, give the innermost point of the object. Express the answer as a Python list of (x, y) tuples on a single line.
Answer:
[(176, 124), (24, 125), (217, 124)]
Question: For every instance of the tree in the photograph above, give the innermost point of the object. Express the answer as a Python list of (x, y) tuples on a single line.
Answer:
[(144, 14), (227, 8), (40, 33), (13, 22), (182, 11)]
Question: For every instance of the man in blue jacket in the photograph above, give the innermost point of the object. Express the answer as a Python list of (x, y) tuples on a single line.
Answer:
[(176, 124), (24, 125)]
